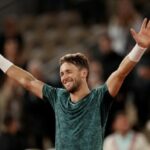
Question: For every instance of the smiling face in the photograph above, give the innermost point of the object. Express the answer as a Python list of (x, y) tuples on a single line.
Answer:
[(72, 76)]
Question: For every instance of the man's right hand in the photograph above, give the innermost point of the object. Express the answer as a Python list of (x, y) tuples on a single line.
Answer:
[(142, 38)]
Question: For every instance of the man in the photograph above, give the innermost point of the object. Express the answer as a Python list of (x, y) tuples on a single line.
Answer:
[(81, 114)]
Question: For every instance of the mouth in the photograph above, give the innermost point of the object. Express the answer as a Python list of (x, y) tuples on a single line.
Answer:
[(67, 84)]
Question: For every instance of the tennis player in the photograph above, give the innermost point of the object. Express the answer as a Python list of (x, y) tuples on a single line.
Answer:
[(81, 113)]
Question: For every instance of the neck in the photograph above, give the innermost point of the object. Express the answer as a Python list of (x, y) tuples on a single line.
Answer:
[(123, 134), (80, 93)]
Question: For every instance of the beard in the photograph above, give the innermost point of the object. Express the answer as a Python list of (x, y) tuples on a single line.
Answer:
[(74, 87)]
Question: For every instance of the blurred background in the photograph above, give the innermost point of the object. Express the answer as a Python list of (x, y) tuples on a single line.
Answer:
[(34, 34)]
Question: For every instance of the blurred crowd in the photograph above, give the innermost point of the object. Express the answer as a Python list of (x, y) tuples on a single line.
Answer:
[(35, 43)]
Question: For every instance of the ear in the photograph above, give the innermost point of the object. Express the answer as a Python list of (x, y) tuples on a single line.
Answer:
[(84, 73)]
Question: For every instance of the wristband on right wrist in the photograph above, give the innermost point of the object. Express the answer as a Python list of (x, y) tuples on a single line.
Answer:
[(5, 64), (136, 53)]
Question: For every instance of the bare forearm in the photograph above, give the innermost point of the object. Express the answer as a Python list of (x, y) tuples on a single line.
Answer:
[(125, 67), (21, 76), (116, 79), (26, 79)]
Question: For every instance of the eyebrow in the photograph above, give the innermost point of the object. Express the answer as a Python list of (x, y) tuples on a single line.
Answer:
[(67, 70)]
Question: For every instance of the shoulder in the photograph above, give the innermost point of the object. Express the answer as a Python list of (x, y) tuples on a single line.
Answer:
[(102, 88), (102, 91), (54, 95), (110, 138), (142, 141), (109, 141), (48, 89)]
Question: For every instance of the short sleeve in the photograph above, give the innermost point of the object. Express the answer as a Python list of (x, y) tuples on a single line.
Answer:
[(50, 94), (106, 101)]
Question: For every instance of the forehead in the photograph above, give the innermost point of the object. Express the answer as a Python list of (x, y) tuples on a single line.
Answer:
[(121, 116), (68, 66)]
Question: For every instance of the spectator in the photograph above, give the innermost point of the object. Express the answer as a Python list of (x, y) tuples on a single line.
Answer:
[(14, 51), (10, 100), (10, 139), (109, 59), (142, 90), (106, 55), (96, 72), (10, 31), (120, 23), (124, 138), (37, 113)]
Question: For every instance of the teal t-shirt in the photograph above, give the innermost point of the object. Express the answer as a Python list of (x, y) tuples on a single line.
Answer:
[(81, 125)]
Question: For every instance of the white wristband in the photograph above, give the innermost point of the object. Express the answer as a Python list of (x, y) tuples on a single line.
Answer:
[(5, 64), (136, 53)]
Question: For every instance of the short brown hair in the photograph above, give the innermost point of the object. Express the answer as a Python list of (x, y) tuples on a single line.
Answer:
[(78, 59)]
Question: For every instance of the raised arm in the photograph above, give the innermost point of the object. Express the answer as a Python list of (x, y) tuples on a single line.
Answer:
[(21, 76), (142, 39)]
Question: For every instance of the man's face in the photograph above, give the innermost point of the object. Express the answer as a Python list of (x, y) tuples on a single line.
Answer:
[(71, 77)]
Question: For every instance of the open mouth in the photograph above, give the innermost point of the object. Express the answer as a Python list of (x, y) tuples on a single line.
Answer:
[(67, 84)]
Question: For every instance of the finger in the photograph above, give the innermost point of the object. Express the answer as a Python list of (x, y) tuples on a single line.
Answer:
[(144, 23), (133, 32), (134, 35), (148, 24)]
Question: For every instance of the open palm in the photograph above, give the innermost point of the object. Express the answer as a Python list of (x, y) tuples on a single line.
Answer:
[(142, 38)]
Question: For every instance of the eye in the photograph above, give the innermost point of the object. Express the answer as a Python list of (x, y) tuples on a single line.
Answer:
[(68, 71), (61, 74)]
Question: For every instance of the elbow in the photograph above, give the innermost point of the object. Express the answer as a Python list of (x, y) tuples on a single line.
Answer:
[(114, 82)]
